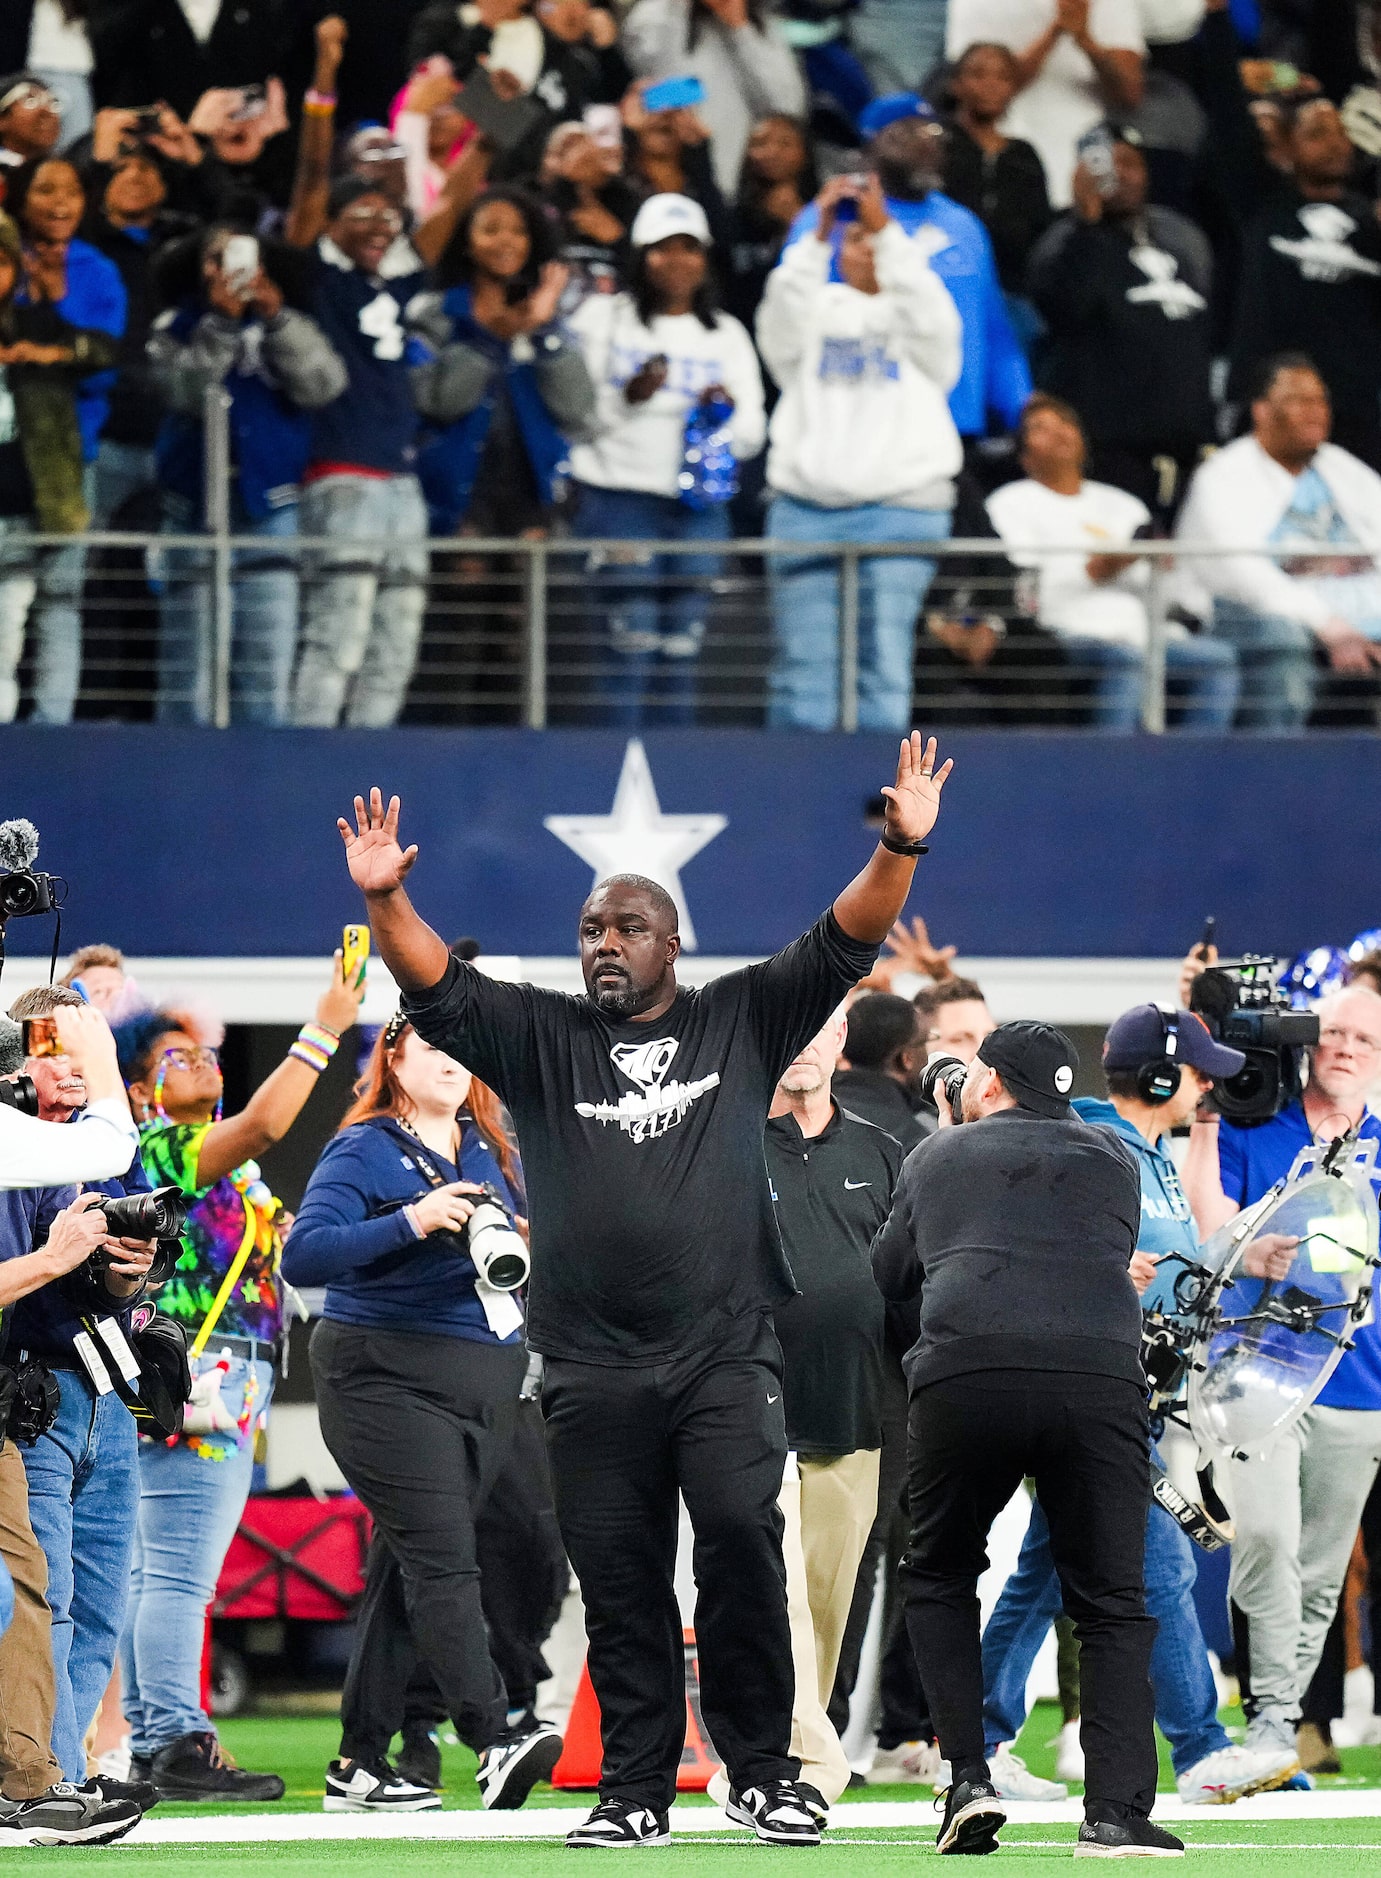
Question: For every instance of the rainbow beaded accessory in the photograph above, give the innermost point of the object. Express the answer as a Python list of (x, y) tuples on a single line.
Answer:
[(315, 1046)]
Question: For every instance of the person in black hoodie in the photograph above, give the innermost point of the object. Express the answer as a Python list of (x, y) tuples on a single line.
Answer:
[(1000, 179), (1125, 288), (147, 50), (1311, 281)]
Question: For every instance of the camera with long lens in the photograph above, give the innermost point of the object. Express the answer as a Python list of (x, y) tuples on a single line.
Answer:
[(160, 1216), (493, 1244), (1244, 1007), (943, 1079), (18, 1092)]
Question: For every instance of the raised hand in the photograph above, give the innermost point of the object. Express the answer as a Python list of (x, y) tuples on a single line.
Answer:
[(376, 861), (913, 801), (912, 951)]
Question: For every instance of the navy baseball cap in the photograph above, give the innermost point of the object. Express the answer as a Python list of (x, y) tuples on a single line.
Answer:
[(1036, 1063), (881, 112), (1142, 1035)]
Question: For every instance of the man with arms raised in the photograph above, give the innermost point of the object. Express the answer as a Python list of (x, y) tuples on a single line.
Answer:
[(656, 1262)]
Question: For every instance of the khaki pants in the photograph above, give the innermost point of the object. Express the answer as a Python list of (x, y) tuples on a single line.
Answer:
[(829, 1506), (27, 1698)]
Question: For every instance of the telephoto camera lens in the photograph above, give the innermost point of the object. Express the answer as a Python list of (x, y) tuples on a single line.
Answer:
[(18, 1092), (497, 1249), (947, 1073), (161, 1214)]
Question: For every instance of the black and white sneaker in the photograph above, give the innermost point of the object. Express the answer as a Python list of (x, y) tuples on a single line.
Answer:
[(140, 1793), (511, 1766), (618, 1824), (375, 1787), (973, 1818), (65, 1815), (777, 1811), (1126, 1838), (815, 1802)]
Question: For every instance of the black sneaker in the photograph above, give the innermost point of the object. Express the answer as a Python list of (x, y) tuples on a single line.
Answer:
[(196, 1767), (511, 1766), (617, 1824), (141, 1768), (777, 1811), (815, 1803), (140, 1793), (375, 1787), (973, 1818), (1126, 1838), (419, 1758), (65, 1815)]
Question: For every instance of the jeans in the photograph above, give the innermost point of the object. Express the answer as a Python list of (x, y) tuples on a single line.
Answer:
[(18, 588), (41, 588), (900, 41), (1279, 675), (1181, 1676), (83, 1501), (655, 604), (122, 471), (192, 1496), (264, 584), (803, 687), (1201, 682), (362, 599)]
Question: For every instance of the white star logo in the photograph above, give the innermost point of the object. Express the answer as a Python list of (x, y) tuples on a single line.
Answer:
[(636, 838)]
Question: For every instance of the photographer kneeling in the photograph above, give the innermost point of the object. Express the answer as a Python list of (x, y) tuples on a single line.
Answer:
[(418, 1364)]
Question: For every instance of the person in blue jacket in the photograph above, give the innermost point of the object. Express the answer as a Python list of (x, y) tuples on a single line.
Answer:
[(418, 1368), (1159, 1064), (231, 325), (904, 144), (505, 387)]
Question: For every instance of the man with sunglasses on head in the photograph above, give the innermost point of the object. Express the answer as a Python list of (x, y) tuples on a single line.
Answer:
[(1296, 1511)]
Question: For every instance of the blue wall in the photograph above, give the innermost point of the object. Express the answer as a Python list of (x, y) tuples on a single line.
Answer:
[(193, 842)]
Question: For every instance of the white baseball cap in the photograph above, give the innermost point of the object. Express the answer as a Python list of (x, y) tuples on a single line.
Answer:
[(660, 217)]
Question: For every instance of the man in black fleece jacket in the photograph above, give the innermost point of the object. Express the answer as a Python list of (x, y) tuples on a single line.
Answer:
[(1017, 1230)]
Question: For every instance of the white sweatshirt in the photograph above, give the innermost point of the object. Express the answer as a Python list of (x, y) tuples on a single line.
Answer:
[(639, 446), (746, 74), (1031, 517), (864, 414), (1238, 498)]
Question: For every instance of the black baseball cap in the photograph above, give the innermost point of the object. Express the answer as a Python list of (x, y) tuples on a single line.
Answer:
[(1143, 1035), (1036, 1062)]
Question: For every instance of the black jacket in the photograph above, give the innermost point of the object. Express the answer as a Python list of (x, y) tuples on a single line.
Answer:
[(1006, 192), (874, 1095), (1016, 1233), (1128, 305), (146, 51)]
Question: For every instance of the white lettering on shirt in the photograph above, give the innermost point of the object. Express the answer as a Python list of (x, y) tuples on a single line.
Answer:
[(381, 321), (659, 1105), (1175, 297), (1323, 254)]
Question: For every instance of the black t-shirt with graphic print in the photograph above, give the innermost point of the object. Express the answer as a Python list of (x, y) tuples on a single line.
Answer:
[(642, 1143)]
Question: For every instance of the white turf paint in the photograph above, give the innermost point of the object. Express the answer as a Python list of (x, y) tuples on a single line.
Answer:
[(696, 1823)]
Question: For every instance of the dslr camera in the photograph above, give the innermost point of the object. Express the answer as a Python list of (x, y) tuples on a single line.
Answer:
[(942, 1080), (160, 1216), (1244, 1007), (23, 890), (493, 1244)]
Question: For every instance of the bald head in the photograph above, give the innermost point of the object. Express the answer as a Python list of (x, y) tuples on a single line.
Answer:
[(629, 942)]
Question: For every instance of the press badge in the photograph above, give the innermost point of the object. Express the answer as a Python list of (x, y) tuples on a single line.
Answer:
[(92, 1364)]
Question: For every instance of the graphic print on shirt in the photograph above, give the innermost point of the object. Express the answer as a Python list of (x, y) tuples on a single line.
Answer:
[(1175, 297), (1323, 254), (658, 1105), (857, 358)]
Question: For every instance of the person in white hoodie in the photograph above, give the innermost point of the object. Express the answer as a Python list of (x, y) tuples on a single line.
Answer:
[(1317, 596), (661, 356), (863, 448)]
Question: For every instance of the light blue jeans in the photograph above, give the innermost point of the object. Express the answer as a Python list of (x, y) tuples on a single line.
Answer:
[(190, 1505), (899, 41), (362, 600), (83, 1504), (1201, 682), (654, 607), (1279, 673), (264, 590), (41, 588), (1186, 1698), (122, 470), (803, 686)]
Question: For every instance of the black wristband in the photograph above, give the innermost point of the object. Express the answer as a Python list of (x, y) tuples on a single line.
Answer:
[(894, 846)]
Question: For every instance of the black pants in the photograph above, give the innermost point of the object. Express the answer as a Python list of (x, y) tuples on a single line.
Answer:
[(622, 1443), (421, 1428), (974, 1438)]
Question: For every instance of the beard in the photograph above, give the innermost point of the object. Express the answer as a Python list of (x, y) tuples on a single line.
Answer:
[(804, 1081), (907, 182), (622, 998)]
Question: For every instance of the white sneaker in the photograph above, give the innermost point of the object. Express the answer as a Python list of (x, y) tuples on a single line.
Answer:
[(1069, 1752), (379, 1788), (510, 1768), (914, 1763), (1014, 1780), (1230, 1773)]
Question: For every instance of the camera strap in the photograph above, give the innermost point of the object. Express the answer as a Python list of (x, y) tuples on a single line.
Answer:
[(501, 1310)]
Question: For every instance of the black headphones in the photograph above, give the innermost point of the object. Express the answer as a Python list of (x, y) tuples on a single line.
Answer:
[(1158, 1080)]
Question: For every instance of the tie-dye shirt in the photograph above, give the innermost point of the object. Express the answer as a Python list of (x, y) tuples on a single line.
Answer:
[(215, 1232)]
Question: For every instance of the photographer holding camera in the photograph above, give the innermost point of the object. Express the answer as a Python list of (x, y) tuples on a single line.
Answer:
[(83, 1475), (225, 1293), (1296, 1511), (418, 1362)]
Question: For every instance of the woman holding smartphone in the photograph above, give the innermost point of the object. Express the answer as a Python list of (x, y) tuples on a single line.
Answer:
[(418, 1368)]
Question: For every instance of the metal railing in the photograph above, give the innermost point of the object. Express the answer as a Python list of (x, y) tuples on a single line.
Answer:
[(566, 631)]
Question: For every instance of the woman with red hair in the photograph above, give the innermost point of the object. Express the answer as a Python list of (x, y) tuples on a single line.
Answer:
[(418, 1366)]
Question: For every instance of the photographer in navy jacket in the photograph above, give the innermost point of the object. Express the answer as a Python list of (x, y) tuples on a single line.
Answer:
[(418, 1372)]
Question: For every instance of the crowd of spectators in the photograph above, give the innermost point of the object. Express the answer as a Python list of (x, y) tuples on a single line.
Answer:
[(681, 271)]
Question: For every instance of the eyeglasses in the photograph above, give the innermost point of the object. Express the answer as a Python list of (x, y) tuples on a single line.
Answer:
[(375, 218), (198, 1057), (36, 97), (1339, 1039)]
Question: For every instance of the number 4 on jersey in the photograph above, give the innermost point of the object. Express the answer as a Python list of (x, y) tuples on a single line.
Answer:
[(382, 323)]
